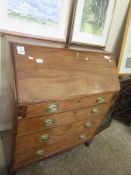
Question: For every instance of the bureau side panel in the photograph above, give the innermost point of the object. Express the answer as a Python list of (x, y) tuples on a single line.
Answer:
[(8, 100)]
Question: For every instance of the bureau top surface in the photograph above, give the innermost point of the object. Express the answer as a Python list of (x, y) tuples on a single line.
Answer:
[(50, 73)]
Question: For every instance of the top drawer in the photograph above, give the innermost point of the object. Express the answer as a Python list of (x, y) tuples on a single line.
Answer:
[(65, 105)]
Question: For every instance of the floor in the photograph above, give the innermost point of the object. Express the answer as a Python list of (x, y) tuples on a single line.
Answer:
[(109, 154)]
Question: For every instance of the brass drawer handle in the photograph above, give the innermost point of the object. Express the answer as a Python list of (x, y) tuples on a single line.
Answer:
[(40, 152), (88, 125), (44, 138), (101, 100), (49, 122), (53, 108), (95, 110), (83, 137)]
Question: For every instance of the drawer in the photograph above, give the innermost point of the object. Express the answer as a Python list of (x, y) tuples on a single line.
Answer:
[(65, 105), (25, 126), (51, 136), (42, 151)]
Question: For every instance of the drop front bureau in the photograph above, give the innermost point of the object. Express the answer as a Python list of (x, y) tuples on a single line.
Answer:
[(56, 97)]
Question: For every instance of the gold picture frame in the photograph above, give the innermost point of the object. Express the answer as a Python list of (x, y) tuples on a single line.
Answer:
[(124, 64)]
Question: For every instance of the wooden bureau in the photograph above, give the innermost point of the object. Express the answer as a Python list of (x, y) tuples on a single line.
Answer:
[(58, 98)]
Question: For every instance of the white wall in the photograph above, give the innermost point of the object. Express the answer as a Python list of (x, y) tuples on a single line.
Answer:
[(1, 117), (113, 42), (117, 27)]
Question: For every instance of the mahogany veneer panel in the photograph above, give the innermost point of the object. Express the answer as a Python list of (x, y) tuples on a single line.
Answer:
[(29, 155), (55, 134), (62, 75), (35, 124), (69, 104)]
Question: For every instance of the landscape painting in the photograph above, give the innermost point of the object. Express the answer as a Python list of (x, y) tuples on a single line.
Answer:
[(46, 12), (94, 16), (128, 63), (92, 21)]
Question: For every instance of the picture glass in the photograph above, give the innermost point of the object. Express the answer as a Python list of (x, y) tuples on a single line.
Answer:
[(92, 21), (125, 56), (47, 18), (93, 17), (128, 63), (40, 11)]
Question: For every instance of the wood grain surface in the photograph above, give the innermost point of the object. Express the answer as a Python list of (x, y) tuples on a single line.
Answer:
[(35, 110), (63, 74), (25, 126), (29, 155), (55, 134)]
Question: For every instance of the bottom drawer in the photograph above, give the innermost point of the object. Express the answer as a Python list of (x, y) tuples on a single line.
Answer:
[(39, 152)]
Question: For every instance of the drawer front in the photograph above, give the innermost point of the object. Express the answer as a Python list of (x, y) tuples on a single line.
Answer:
[(54, 135), (42, 151), (25, 126), (64, 105)]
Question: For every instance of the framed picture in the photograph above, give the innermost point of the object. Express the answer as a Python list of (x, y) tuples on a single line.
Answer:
[(124, 66), (40, 18), (92, 21)]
